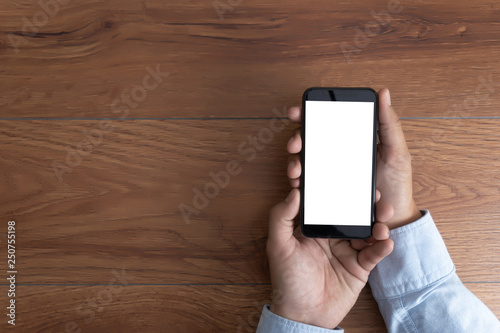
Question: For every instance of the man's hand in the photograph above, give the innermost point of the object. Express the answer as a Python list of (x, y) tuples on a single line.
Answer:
[(394, 174), (394, 179), (317, 281)]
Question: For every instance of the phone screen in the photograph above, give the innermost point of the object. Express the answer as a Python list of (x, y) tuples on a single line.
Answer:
[(338, 161)]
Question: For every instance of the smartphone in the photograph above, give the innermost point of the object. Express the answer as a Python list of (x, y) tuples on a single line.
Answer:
[(339, 149)]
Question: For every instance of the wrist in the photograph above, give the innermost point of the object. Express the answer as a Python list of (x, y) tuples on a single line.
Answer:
[(302, 317), (280, 311), (412, 214)]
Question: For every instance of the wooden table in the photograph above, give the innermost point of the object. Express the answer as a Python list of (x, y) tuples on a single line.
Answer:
[(114, 113)]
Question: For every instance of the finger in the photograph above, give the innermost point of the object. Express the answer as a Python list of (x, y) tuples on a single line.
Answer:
[(295, 114), (294, 145), (384, 211), (294, 167), (295, 183), (281, 219), (360, 244), (372, 255), (380, 232), (342, 250), (390, 130)]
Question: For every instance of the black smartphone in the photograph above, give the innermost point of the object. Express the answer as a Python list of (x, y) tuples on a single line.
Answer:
[(339, 149)]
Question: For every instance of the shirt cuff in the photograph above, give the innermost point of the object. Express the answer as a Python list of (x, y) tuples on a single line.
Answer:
[(270, 322), (419, 259)]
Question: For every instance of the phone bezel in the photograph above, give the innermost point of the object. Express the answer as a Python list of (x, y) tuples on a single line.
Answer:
[(338, 94)]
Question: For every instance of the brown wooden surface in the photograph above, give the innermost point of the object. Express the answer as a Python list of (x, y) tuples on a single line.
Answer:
[(226, 308), (118, 209)]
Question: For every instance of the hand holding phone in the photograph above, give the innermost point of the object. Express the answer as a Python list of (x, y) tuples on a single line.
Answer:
[(394, 171), (317, 281), (338, 157)]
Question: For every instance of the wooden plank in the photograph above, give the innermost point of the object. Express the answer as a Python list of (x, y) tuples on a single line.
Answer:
[(184, 308), (124, 198), (120, 207), (261, 56), (457, 161), (180, 309)]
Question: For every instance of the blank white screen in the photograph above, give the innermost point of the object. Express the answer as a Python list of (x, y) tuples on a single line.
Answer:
[(338, 163)]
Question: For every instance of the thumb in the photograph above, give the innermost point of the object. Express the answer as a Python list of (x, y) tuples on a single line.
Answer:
[(281, 219), (371, 255), (390, 131)]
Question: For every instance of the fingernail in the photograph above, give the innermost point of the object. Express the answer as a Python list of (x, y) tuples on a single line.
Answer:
[(389, 97), (291, 165), (291, 138), (290, 196)]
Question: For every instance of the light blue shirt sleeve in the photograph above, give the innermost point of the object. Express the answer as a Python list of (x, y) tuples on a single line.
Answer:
[(417, 289), (269, 322)]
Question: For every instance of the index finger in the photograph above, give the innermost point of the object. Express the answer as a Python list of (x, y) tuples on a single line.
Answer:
[(282, 220), (295, 114), (390, 130)]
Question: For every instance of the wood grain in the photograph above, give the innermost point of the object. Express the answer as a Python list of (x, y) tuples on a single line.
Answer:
[(162, 309), (120, 207), (459, 165), (262, 55), (175, 308)]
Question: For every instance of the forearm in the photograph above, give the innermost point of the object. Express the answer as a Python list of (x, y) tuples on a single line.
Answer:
[(418, 290)]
